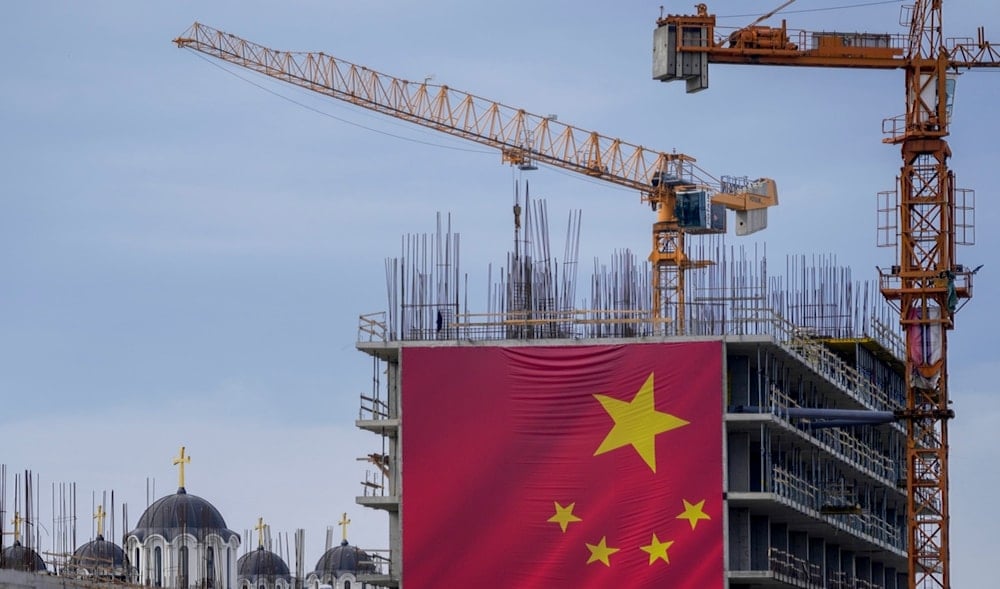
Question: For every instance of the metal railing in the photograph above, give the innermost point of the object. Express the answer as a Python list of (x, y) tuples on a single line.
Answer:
[(793, 570)]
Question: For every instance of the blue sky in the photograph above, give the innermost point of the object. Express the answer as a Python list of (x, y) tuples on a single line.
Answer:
[(184, 255)]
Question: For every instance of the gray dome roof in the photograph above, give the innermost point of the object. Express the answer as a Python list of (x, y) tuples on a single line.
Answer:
[(180, 513), (21, 558), (344, 559), (262, 563), (100, 557)]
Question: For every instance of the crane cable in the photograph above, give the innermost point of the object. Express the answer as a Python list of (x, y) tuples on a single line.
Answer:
[(326, 114), (393, 135), (827, 9)]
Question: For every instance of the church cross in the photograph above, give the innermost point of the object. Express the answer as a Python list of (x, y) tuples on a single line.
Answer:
[(17, 521), (343, 525), (260, 531), (99, 515), (181, 461)]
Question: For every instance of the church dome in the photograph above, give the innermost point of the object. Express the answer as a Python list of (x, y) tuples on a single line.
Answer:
[(21, 558), (262, 563), (181, 513), (100, 557), (344, 559)]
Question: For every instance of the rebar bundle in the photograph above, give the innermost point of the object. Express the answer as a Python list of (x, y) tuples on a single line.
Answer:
[(533, 296)]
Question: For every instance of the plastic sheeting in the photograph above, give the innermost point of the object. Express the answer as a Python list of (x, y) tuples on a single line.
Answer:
[(924, 343)]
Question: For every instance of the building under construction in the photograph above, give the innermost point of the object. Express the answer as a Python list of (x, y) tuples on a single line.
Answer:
[(814, 480), (776, 461)]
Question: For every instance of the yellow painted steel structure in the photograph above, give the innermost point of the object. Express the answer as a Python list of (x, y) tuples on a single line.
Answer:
[(523, 139), (927, 282)]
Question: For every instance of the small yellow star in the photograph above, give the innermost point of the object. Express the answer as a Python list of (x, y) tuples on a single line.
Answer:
[(657, 549), (693, 512), (564, 516), (601, 552), (637, 423)]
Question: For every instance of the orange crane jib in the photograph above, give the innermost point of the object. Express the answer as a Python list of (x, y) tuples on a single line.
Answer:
[(682, 194)]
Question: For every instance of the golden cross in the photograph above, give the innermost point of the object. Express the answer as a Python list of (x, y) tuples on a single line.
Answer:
[(181, 461), (343, 525), (260, 531), (17, 526), (99, 516)]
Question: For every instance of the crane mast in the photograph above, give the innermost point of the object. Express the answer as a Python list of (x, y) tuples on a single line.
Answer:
[(927, 284), (663, 179), (920, 288)]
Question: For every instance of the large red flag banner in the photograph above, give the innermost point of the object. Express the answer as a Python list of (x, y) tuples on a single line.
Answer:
[(562, 466)]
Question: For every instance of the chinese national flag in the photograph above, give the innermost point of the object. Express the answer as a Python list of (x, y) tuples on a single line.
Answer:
[(563, 466)]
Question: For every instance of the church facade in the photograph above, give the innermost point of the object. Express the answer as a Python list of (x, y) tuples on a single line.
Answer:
[(182, 541)]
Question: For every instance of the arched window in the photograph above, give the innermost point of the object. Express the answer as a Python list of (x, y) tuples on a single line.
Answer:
[(158, 567), (347, 585), (182, 567), (137, 564), (210, 567)]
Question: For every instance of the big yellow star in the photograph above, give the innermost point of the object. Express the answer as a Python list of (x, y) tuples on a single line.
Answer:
[(601, 552), (564, 516), (637, 423), (657, 550), (693, 512)]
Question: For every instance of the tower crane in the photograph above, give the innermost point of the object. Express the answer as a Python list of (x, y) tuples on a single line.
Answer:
[(685, 198), (924, 217)]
